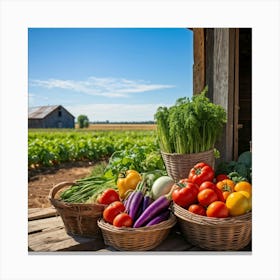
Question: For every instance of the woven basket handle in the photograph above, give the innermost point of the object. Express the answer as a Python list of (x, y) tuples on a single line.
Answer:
[(59, 186)]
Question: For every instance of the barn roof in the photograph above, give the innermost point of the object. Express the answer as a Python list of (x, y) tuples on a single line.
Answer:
[(42, 112)]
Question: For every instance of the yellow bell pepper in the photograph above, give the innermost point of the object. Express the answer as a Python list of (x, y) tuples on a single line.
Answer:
[(127, 181)]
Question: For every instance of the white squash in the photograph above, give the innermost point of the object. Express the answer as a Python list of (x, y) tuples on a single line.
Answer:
[(162, 186)]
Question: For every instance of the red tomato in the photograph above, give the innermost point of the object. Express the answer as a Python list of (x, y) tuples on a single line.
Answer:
[(221, 177), (207, 185), (185, 196), (185, 181), (200, 173), (211, 185), (206, 197), (112, 210), (217, 209), (193, 186), (122, 220), (108, 196), (197, 209), (219, 194)]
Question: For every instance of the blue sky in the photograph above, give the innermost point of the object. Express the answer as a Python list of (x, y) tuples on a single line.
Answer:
[(115, 74)]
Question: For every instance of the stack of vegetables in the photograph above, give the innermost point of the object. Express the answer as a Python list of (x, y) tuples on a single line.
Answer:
[(205, 194), (144, 200), (134, 200)]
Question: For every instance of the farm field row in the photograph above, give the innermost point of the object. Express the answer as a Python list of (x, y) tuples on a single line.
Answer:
[(51, 147)]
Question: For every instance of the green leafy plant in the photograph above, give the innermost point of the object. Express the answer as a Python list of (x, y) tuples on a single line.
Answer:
[(141, 158), (50, 147), (191, 125), (240, 170)]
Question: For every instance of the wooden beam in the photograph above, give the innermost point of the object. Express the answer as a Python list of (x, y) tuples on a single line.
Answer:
[(199, 60), (209, 48), (39, 213), (236, 125), (223, 85)]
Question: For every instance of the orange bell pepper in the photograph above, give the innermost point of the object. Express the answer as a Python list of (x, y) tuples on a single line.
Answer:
[(226, 186)]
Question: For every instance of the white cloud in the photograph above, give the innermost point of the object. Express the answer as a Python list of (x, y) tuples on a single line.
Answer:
[(109, 87), (33, 99), (116, 112)]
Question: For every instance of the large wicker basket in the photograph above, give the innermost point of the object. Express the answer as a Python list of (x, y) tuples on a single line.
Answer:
[(78, 218), (178, 166), (136, 239), (215, 234)]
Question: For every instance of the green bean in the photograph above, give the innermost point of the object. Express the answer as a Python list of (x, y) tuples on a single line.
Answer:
[(68, 192), (92, 179), (87, 188)]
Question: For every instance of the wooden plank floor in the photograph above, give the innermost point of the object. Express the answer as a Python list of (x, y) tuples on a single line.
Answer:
[(46, 233)]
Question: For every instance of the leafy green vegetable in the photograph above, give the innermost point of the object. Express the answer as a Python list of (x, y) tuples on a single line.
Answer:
[(246, 158), (143, 159), (163, 129), (190, 126), (239, 170), (236, 177)]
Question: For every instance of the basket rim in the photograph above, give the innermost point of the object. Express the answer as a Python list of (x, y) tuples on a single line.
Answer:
[(178, 154), (130, 230), (188, 216)]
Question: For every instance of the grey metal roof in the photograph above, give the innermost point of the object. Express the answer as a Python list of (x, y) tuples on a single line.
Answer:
[(40, 112)]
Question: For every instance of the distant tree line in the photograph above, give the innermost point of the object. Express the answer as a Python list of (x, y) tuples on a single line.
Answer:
[(83, 122), (125, 122)]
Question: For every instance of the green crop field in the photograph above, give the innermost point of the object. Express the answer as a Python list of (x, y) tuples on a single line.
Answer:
[(51, 147)]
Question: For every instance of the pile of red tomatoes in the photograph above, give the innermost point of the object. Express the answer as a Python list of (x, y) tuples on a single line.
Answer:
[(204, 194)]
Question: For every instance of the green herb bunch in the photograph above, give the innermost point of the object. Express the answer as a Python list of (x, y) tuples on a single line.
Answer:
[(191, 125)]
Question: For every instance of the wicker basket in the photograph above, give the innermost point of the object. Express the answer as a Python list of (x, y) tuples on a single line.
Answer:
[(216, 234), (178, 166), (78, 218), (136, 239)]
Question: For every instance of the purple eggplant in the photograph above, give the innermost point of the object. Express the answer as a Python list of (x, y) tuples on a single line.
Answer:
[(128, 201), (159, 205), (160, 218), (135, 204), (139, 211), (146, 202)]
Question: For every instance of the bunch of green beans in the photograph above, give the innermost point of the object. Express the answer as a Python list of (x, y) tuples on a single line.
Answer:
[(87, 189)]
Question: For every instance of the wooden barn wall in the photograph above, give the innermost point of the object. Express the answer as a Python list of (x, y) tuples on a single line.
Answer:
[(222, 61), (245, 89), (199, 60), (223, 85), (209, 67), (53, 119), (35, 123)]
